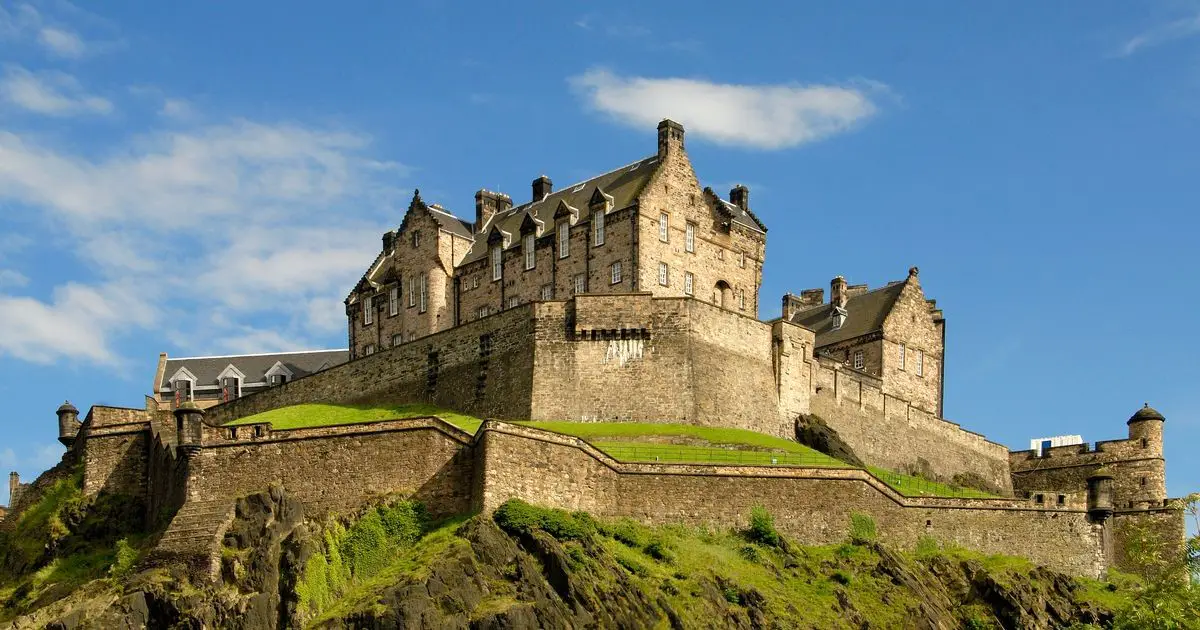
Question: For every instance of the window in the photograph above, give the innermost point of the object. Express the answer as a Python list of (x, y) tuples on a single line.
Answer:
[(394, 301), (416, 239), (858, 359), (369, 350), (742, 299), (580, 284), (368, 310), (475, 282), (530, 258), (278, 379), (231, 388), (183, 390), (664, 274), (564, 239), (663, 227), (547, 291), (688, 281), (902, 352), (514, 301), (598, 228), (497, 263), (616, 272), (397, 339), (482, 312), (424, 292), (920, 363), (689, 239), (412, 293), (742, 259), (412, 336)]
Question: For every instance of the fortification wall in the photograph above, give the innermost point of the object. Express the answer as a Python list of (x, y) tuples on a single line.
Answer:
[(335, 468), (812, 506), (116, 447), (166, 479), (889, 432), (1131, 528), (635, 358), (1138, 470), (483, 367)]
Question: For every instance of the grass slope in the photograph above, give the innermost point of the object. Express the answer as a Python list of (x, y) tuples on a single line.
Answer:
[(318, 415)]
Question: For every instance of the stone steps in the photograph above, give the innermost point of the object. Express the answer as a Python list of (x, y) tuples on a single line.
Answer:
[(195, 533)]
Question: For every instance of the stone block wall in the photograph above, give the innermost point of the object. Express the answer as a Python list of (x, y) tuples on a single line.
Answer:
[(338, 468), (889, 432), (482, 367), (1138, 470), (116, 447), (811, 506)]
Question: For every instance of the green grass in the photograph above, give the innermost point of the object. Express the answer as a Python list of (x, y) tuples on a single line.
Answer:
[(720, 455), (615, 430), (912, 486), (318, 415)]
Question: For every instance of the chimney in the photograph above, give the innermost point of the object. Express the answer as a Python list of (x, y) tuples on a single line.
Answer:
[(487, 204), (808, 299), (837, 292), (740, 197), (14, 489), (670, 137), (389, 241), (542, 187)]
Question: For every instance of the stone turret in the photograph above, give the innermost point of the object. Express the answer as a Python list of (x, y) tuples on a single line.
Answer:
[(68, 423), (189, 423), (1100, 495)]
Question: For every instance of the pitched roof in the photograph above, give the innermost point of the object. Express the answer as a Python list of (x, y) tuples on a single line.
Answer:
[(865, 314), (207, 370), (743, 216), (623, 185), (451, 223)]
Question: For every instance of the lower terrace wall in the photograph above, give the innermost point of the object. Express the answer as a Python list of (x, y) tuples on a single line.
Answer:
[(337, 468), (813, 506), (889, 432)]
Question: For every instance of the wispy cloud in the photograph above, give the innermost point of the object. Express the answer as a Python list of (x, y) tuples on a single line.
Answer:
[(755, 116), (49, 93), (628, 28), (1168, 32), (12, 278), (62, 42), (193, 234)]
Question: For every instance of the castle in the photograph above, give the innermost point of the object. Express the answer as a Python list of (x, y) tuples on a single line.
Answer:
[(629, 297)]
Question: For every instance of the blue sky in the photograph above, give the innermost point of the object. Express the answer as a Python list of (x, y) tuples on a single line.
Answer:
[(182, 177)]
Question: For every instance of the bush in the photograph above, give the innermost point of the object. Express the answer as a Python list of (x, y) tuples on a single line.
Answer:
[(762, 527), (862, 529), (731, 595), (629, 533), (124, 558), (659, 551), (633, 566), (749, 553), (841, 577), (518, 517)]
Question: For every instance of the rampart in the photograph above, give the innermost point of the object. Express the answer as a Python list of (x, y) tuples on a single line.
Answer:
[(1138, 470), (892, 433)]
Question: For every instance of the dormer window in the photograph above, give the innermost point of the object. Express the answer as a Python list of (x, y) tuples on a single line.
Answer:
[(497, 263), (231, 388), (564, 239), (527, 244), (279, 374), (278, 379), (838, 316), (183, 390), (598, 228), (368, 310)]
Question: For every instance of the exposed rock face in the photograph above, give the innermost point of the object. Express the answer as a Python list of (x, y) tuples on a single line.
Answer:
[(812, 431)]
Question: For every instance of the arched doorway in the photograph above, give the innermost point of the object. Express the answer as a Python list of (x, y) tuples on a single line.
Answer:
[(723, 294)]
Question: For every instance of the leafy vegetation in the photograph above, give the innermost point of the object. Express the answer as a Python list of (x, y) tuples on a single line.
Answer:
[(354, 553), (1170, 597), (762, 527), (862, 529), (317, 415)]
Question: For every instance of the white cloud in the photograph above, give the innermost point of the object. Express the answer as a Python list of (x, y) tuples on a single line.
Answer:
[(75, 325), (219, 227), (756, 116), (12, 278), (177, 109), (49, 93), (61, 42), (1161, 34)]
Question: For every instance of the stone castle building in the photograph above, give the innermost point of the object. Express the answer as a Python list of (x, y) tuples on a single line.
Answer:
[(632, 296)]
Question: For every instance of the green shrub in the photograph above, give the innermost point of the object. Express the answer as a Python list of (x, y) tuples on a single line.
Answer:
[(660, 551), (633, 566), (628, 532), (977, 622), (862, 528), (731, 595), (518, 517), (124, 558), (749, 553), (762, 527), (841, 577)]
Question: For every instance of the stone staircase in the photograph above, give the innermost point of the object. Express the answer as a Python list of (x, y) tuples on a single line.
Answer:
[(194, 538)]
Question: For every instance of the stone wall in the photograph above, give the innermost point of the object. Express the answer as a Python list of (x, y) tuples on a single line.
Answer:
[(912, 324), (811, 506), (1133, 528), (889, 432), (338, 468), (1138, 470), (116, 444), (166, 479), (482, 367)]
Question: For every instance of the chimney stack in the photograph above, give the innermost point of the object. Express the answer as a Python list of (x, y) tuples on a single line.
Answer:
[(542, 187), (670, 137), (740, 197), (487, 205), (14, 489), (389, 241), (837, 292)]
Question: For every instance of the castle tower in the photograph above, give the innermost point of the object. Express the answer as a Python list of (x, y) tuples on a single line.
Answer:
[(1146, 431), (14, 489), (189, 425), (68, 423)]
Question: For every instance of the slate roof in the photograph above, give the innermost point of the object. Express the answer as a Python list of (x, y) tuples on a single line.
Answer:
[(451, 223), (623, 185), (865, 314), (254, 366), (745, 217)]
